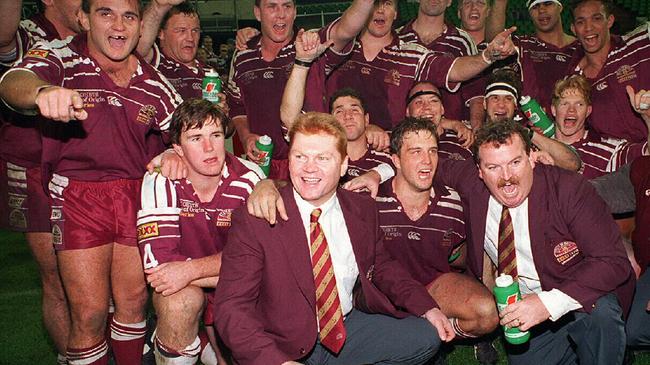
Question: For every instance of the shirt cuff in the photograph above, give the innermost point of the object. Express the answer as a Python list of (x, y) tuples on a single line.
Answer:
[(385, 171), (557, 303)]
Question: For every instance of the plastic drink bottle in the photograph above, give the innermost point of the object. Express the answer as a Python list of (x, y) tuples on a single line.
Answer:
[(265, 145), (506, 292)]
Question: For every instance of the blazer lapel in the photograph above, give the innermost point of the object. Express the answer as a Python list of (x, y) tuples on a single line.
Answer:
[(357, 229), (537, 217), (292, 236)]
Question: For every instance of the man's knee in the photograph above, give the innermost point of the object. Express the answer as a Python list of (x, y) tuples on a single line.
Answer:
[(183, 306), (486, 314), (89, 319)]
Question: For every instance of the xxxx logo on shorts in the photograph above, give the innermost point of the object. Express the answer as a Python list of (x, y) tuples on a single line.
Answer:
[(148, 230)]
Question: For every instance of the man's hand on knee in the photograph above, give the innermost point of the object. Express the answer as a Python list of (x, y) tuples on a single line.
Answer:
[(170, 277), (441, 323)]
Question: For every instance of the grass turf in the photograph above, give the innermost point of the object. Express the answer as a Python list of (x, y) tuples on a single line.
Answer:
[(23, 339)]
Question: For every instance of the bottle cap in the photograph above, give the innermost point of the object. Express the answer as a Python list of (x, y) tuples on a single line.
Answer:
[(265, 139), (504, 280), (524, 100), (211, 73)]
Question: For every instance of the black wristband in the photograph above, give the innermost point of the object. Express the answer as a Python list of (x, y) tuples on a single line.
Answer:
[(303, 63), (531, 133)]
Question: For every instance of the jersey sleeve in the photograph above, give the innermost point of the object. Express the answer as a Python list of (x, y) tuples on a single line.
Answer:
[(234, 96), (334, 58), (159, 234), (436, 69), (625, 153), (43, 61)]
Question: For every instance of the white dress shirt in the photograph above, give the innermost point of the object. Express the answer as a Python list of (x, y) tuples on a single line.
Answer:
[(333, 225), (556, 302)]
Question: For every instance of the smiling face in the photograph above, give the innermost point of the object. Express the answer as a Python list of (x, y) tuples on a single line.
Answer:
[(427, 106), (277, 17), (500, 108), (113, 28), (180, 38), (546, 16), (417, 160), (203, 149), (507, 170), (473, 14), (591, 25), (349, 112), (381, 21), (315, 166), (570, 113), (434, 7)]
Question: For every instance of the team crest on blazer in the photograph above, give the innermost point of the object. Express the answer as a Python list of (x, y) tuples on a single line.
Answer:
[(565, 251)]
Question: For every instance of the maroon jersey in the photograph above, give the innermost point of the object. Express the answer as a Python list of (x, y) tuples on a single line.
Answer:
[(255, 89), (451, 148), (604, 155), (368, 161), (640, 177), (423, 247), (186, 80), (385, 81), (628, 62), (174, 225), (110, 143), (20, 140), (453, 42)]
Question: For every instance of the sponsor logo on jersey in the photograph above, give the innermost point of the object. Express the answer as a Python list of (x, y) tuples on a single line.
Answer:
[(189, 208), (146, 113), (56, 214), (602, 86), (268, 75), (365, 70), (224, 218), (625, 73), (560, 58), (40, 53), (353, 171), (446, 238), (392, 77), (91, 98), (112, 100), (16, 201), (148, 230), (390, 233), (414, 236), (565, 251), (647, 192)]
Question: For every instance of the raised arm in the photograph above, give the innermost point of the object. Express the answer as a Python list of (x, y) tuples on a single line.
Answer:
[(563, 155), (151, 20), (640, 101), (352, 22), (10, 18), (469, 66), (496, 20)]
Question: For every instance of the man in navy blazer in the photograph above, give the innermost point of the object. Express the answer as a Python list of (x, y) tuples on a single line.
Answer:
[(572, 268), (265, 306)]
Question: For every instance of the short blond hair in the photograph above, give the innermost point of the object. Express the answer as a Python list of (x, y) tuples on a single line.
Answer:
[(320, 123), (577, 82)]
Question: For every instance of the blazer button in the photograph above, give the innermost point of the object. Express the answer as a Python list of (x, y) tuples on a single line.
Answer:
[(302, 351)]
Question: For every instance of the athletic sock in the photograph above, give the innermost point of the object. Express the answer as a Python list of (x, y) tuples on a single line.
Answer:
[(455, 323), (208, 355), (127, 342), (167, 356), (93, 355), (61, 359)]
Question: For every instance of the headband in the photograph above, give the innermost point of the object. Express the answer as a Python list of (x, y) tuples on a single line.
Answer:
[(531, 3), (423, 92), (501, 88)]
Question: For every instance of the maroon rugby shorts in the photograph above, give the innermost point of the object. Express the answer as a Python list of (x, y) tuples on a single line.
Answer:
[(24, 204)]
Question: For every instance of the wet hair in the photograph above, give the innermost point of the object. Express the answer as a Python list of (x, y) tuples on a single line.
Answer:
[(347, 91), (185, 8), (497, 134), (194, 114), (85, 6), (577, 82), (507, 76), (407, 125), (313, 123), (607, 4)]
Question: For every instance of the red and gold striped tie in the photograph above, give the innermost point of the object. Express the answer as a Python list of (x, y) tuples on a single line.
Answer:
[(507, 252), (328, 305)]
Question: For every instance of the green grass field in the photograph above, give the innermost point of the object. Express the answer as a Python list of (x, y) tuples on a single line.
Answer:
[(22, 337)]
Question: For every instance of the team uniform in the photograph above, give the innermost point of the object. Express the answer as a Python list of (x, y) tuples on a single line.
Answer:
[(186, 80), (386, 80), (453, 42), (102, 158), (423, 247), (174, 225), (450, 147), (367, 162), (627, 63), (604, 155), (22, 195), (255, 89)]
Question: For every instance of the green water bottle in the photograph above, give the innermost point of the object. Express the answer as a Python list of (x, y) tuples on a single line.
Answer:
[(507, 292), (265, 145), (537, 116), (211, 86)]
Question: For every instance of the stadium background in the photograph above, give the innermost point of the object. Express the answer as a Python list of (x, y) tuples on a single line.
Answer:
[(23, 339)]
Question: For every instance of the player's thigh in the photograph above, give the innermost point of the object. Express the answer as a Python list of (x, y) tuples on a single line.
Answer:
[(460, 295), (181, 309), (40, 244), (86, 278), (127, 278)]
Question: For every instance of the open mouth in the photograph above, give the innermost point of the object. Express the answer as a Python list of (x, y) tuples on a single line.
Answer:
[(509, 189), (591, 40), (379, 22), (117, 40), (570, 122), (310, 180), (280, 27), (474, 16), (424, 174)]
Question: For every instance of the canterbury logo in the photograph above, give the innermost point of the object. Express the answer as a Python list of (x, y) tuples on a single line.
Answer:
[(414, 236), (268, 75), (560, 58), (602, 86)]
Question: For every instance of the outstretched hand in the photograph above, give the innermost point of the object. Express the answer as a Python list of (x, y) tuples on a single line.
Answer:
[(308, 45)]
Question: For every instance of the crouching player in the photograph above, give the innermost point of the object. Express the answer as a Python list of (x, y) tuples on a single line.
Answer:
[(183, 226)]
